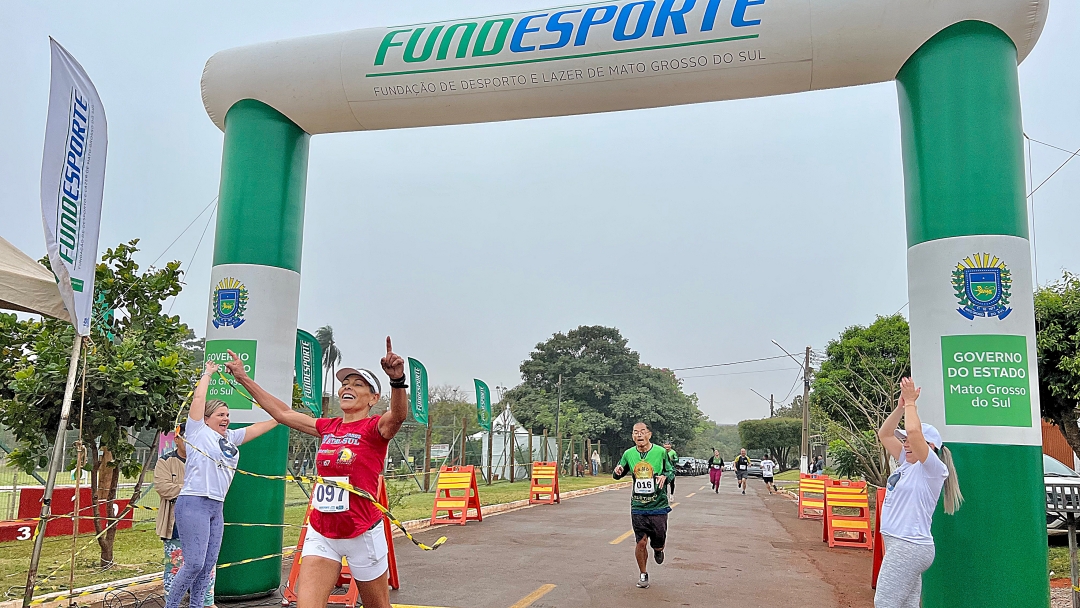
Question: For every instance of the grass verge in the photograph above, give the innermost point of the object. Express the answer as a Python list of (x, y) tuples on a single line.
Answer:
[(139, 551)]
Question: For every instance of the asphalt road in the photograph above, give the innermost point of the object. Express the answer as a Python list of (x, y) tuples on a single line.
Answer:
[(723, 549)]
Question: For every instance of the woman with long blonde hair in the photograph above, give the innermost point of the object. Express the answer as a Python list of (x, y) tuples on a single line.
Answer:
[(911, 496)]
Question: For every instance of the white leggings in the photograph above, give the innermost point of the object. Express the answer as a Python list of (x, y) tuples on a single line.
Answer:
[(899, 583)]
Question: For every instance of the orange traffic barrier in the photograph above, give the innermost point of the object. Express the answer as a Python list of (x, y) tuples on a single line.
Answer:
[(809, 487), (545, 483), (391, 558), (879, 543), (845, 494), (352, 593), (454, 479)]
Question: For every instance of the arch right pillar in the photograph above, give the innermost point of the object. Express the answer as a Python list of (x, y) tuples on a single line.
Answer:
[(972, 313)]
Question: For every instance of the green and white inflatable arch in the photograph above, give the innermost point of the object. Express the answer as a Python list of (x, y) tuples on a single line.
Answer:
[(969, 268)]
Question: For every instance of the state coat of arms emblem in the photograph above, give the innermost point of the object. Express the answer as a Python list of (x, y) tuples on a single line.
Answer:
[(230, 302), (982, 284)]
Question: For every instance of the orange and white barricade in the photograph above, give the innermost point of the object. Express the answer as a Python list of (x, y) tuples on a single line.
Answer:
[(811, 496), (345, 580), (545, 483), (847, 495), (456, 479)]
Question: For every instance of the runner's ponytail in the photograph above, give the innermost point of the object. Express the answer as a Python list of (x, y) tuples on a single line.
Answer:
[(953, 497)]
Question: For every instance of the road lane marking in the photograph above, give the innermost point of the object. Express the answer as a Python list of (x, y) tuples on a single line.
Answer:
[(702, 488), (532, 597), (690, 494), (674, 504), (622, 538)]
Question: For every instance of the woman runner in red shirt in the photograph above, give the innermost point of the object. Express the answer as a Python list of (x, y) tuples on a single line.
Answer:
[(353, 450)]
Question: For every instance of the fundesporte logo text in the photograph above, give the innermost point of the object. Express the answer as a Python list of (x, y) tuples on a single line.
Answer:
[(564, 28)]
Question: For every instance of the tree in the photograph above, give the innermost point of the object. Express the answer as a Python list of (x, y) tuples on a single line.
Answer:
[(858, 385), (709, 435), (605, 390), (331, 354), (777, 436), (1057, 325), (138, 380)]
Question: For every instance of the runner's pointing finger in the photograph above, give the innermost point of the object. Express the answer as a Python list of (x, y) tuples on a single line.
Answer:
[(389, 348)]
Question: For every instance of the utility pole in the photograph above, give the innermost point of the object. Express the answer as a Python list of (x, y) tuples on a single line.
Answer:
[(558, 436), (804, 460), (772, 409), (804, 447)]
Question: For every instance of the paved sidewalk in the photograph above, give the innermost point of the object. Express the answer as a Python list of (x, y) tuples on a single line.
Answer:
[(723, 550)]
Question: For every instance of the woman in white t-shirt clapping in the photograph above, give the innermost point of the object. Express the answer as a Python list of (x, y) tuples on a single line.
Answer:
[(911, 496), (212, 456)]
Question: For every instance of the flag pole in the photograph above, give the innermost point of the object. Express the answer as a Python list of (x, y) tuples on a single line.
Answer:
[(54, 465)]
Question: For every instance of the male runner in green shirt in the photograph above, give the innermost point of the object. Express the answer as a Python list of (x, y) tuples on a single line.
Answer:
[(650, 468), (674, 458)]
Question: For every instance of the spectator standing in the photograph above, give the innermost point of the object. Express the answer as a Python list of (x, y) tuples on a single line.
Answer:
[(168, 481)]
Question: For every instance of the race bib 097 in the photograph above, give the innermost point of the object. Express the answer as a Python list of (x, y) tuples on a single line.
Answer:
[(329, 499)]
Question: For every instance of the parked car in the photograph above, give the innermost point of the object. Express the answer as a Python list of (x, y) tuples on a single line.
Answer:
[(685, 466), (1055, 472), (754, 470), (703, 466)]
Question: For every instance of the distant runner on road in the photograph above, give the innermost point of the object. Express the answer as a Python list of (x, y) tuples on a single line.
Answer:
[(674, 458), (742, 464), (650, 468), (716, 470), (767, 467)]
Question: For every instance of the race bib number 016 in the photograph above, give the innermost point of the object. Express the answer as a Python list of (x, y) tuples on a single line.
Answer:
[(330, 499), (645, 486), (643, 478)]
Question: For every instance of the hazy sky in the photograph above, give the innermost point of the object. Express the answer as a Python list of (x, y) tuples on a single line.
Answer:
[(702, 232)]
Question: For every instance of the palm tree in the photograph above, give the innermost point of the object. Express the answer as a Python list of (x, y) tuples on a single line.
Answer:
[(331, 354)]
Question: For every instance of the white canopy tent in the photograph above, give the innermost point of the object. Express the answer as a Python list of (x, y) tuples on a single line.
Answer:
[(500, 448), (27, 286)]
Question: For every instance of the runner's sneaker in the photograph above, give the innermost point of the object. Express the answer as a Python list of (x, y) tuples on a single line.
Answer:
[(643, 580), (658, 555)]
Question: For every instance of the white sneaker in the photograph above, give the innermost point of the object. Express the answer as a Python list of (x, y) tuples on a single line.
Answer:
[(643, 580)]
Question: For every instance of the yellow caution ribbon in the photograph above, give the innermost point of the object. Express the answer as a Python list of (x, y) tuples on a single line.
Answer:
[(335, 484)]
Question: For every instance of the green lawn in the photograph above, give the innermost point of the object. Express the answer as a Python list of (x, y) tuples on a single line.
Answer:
[(138, 550)]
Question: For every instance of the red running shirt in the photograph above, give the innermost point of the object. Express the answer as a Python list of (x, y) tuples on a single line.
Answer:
[(355, 450)]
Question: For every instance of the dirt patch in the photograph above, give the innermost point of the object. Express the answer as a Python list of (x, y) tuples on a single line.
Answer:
[(846, 570)]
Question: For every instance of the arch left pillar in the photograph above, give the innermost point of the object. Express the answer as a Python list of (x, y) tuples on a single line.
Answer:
[(255, 294)]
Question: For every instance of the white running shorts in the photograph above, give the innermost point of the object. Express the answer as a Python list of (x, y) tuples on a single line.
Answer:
[(366, 554)]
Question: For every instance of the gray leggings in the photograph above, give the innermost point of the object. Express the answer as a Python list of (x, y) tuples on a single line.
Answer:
[(899, 583), (200, 523)]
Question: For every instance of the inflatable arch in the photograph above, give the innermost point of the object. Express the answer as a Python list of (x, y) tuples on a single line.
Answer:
[(969, 268)]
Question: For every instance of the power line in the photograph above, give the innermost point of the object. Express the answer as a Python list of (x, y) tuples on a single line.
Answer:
[(793, 385), (679, 369), (1072, 155), (192, 260), (758, 371), (1031, 198)]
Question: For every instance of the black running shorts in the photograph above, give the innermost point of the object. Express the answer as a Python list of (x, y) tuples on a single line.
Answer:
[(653, 526)]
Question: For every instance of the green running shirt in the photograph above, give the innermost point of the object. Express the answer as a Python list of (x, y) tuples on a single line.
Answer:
[(647, 497)]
